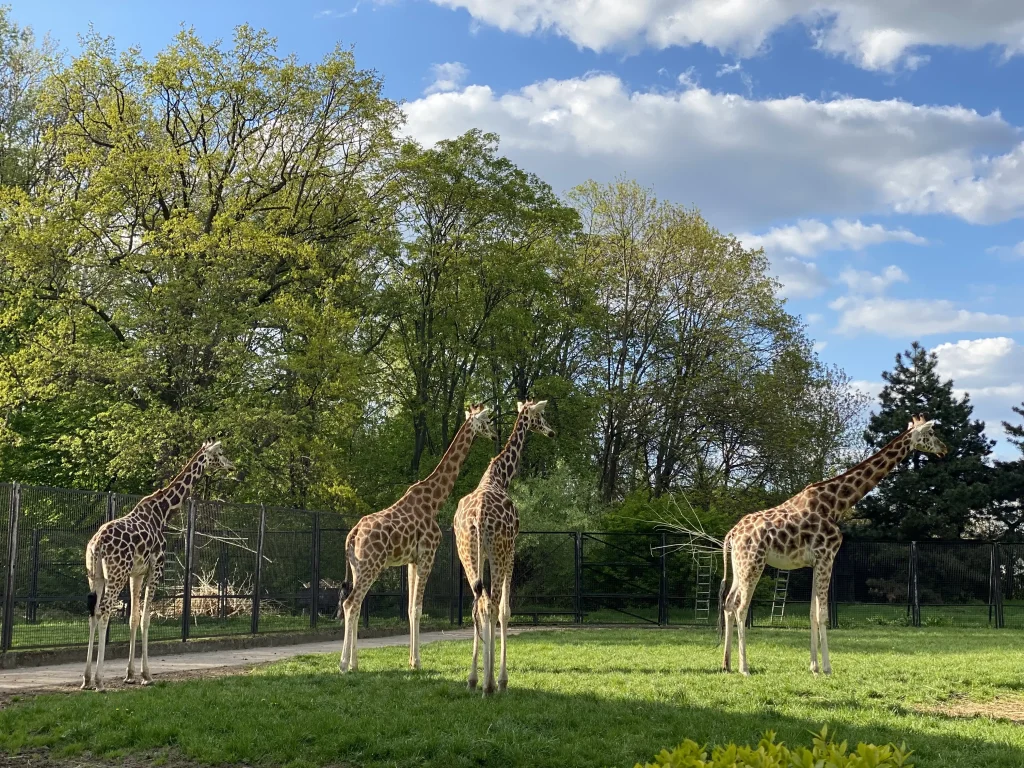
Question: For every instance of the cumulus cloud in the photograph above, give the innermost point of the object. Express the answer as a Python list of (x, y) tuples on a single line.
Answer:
[(991, 371), (1010, 252), (748, 162), (809, 237), (915, 318), (860, 282), (873, 34), (799, 279), (447, 77)]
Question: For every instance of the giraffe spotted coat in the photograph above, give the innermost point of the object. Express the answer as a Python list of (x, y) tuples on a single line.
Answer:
[(486, 525), (803, 532)]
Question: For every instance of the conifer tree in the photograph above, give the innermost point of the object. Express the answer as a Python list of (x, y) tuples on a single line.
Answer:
[(927, 497)]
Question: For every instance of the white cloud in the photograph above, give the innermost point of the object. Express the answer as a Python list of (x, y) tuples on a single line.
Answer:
[(874, 34), (991, 371), (1011, 252), (809, 237), (870, 388), (330, 13), (915, 318), (819, 346), (799, 279), (859, 282), (447, 77), (747, 162)]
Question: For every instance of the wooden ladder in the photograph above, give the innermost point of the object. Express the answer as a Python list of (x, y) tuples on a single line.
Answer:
[(779, 598), (705, 572)]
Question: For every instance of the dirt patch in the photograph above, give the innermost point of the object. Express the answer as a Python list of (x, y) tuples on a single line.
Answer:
[(1000, 708)]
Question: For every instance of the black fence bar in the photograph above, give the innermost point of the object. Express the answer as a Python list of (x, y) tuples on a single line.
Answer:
[(241, 569), (257, 580), (186, 595), (7, 625)]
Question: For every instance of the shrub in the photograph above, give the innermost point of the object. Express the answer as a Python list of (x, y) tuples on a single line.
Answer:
[(772, 754)]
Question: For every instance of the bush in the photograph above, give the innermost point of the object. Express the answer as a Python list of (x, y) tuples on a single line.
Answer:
[(772, 754)]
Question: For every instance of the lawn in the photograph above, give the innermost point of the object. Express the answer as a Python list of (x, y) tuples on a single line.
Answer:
[(593, 697)]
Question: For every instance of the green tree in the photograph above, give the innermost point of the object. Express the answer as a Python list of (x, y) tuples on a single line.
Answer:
[(926, 497), (475, 245), (187, 268)]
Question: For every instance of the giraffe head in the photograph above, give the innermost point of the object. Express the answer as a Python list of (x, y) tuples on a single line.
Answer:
[(923, 437), (479, 418), (214, 453), (533, 413)]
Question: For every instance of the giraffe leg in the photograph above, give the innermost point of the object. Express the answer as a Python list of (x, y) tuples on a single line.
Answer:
[(155, 575), (133, 626), (101, 630), (814, 632), (421, 572), (747, 576), (413, 623), (822, 576), (87, 675), (727, 652), (505, 614), (487, 622)]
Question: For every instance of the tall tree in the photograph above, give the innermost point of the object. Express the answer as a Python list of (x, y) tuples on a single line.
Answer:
[(475, 240), (186, 269), (927, 497)]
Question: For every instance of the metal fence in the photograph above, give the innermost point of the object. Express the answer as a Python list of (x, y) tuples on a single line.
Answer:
[(237, 569)]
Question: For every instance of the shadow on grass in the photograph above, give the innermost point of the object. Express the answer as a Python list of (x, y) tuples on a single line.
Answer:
[(428, 718)]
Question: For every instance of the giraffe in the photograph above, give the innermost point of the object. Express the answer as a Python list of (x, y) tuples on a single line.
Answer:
[(486, 525), (803, 532), (133, 548), (406, 533)]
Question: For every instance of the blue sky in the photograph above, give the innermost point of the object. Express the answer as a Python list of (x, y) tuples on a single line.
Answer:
[(873, 148)]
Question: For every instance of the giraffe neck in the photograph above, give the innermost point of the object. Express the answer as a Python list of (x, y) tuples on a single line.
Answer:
[(856, 482), (504, 466), (168, 500), (443, 478)]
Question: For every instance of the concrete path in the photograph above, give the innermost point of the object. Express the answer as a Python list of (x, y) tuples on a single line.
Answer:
[(63, 675)]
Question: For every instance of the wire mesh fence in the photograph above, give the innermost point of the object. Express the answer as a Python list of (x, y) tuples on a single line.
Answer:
[(238, 569)]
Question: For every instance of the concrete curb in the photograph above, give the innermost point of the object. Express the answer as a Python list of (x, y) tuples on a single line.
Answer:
[(51, 656)]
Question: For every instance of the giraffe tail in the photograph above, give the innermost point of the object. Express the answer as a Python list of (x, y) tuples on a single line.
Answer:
[(346, 586), (721, 590)]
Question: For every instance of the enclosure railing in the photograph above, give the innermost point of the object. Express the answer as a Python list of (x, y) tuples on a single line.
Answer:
[(240, 569)]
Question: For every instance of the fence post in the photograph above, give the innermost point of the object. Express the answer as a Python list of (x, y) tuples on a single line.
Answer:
[(578, 568), (257, 576), (33, 592), (915, 603), (314, 584), (186, 595), (14, 512), (663, 585), (995, 610), (452, 576)]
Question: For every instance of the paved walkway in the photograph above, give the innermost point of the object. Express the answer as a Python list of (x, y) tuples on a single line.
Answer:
[(62, 675)]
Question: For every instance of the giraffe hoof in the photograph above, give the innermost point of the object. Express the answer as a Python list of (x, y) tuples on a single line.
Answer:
[(472, 684), (827, 671), (86, 684), (502, 685), (130, 680), (489, 689), (745, 672)]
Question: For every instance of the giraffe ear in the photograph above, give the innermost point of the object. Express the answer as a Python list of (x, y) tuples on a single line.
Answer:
[(539, 407), (519, 406)]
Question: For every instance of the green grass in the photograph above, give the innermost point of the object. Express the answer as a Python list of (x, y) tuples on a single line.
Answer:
[(576, 698)]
